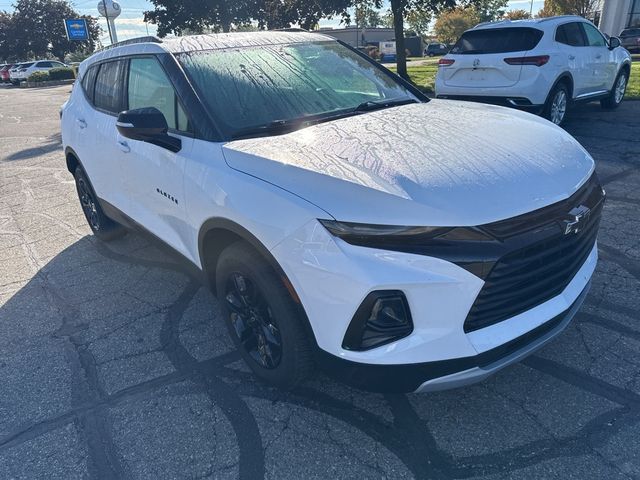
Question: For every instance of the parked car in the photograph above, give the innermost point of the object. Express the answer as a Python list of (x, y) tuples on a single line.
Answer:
[(436, 49), (542, 65), (22, 72), (4, 72), (630, 38), (330, 208)]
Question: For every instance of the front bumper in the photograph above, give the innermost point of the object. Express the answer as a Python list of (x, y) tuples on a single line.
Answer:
[(447, 374)]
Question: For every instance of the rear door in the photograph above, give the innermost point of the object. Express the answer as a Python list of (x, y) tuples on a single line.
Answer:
[(101, 157), (572, 42), (480, 56)]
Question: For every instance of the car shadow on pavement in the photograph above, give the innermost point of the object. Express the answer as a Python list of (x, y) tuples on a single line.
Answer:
[(118, 323), (53, 143)]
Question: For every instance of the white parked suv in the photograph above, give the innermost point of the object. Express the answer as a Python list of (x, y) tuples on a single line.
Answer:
[(22, 71), (331, 210), (541, 65)]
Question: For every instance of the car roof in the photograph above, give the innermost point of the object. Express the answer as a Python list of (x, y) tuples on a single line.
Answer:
[(194, 43), (531, 22)]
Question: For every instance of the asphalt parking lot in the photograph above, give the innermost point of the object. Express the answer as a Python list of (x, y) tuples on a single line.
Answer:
[(114, 362)]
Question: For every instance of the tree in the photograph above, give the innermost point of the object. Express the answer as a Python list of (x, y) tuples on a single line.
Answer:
[(584, 8), (518, 14), (453, 23), (419, 21), (487, 10), (36, 29), (365, 16)]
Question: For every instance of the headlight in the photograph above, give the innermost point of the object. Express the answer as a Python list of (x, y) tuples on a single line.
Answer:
[(468, 247)]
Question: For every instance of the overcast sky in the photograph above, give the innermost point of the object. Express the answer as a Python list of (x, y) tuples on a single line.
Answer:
[(130, 23)]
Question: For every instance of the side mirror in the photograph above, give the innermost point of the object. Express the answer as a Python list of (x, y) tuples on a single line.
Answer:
[(614, 42), (147, 125)]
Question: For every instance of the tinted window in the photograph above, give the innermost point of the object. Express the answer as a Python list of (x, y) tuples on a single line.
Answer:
[(570, 34), (150, 87), (594, 37), (497, 40), (254, 86), (630, 32), (108, 89), (88, 81)]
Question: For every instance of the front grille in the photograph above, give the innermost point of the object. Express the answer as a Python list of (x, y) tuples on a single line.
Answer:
[(543, 264)]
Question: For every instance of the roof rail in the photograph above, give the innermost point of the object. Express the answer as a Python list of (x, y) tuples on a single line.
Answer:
[(546, 19), (290, 29), (147, 39)]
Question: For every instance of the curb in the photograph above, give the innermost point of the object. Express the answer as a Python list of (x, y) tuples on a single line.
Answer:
[(50, 83)]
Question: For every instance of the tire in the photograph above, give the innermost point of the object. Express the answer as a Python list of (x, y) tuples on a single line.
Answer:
[(555, 108), (264, 321), (617, 92), (102, 226), (431, 54)]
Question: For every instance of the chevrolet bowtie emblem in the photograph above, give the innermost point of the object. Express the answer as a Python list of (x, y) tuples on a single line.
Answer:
[(576, 219)]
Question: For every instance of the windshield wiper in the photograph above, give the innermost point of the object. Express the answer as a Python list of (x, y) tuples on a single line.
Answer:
[(371, 105), (277, 126)]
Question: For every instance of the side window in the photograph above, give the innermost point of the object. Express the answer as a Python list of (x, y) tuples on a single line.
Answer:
[(108, 89), (570, 34), (149, 86), (594, 37), (88, 81)]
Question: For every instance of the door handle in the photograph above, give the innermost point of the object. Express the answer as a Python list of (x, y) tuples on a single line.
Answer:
[(81, 123), (572, 57), (124, 146), (599, 56)]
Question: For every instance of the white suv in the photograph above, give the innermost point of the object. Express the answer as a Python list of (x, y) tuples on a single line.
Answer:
[(330, 208), (22, 71), (538, 65)]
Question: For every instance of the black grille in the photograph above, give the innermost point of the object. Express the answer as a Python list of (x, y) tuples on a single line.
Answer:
[(542, 264)]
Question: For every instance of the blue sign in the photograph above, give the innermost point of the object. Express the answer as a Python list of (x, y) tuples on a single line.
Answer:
[(76, 29)]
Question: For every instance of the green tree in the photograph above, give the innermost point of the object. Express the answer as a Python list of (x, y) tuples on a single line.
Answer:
[(365, 16), (419, 21), (584, 8), (36, 29), (487, 10), (517, 14), (453, 23)]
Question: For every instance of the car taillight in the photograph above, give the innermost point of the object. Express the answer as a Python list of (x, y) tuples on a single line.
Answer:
[(537, 60), (445, 62)]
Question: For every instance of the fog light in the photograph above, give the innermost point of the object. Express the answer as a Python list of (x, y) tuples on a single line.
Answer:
[(383, 317)]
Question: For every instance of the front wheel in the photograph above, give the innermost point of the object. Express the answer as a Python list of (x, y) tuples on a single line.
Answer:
[(263, 319), (557, 103), (617, 93)]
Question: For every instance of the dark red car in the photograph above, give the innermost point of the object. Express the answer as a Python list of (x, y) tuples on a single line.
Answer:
[(4, 72)]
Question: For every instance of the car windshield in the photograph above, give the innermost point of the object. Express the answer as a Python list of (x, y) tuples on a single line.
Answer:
[(258, 87), (497, 40)]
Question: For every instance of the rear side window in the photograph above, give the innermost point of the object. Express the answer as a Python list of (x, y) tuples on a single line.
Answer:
[(571, 34), (108, 90), (497, 40), (149, 86), (88, 82), (44, 64)]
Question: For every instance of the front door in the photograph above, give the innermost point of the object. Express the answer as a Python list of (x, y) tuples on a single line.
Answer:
[(153, 176)]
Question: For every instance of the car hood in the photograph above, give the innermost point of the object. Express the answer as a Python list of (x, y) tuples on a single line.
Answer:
[(441, 163)]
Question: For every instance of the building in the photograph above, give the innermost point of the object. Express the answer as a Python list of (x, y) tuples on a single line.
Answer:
[(361, 37), (616, 15)]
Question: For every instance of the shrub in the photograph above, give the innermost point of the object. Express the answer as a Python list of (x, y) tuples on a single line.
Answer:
[(63, 73), (38, 77)]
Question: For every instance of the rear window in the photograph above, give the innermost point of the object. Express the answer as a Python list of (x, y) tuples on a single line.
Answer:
[(497, 40)]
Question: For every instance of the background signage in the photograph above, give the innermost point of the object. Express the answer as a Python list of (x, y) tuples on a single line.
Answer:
[(77, 29)]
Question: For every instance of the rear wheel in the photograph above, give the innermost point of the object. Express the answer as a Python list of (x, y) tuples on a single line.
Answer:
[(617, 92), (263, 319), (555, 108), (102, 226)]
